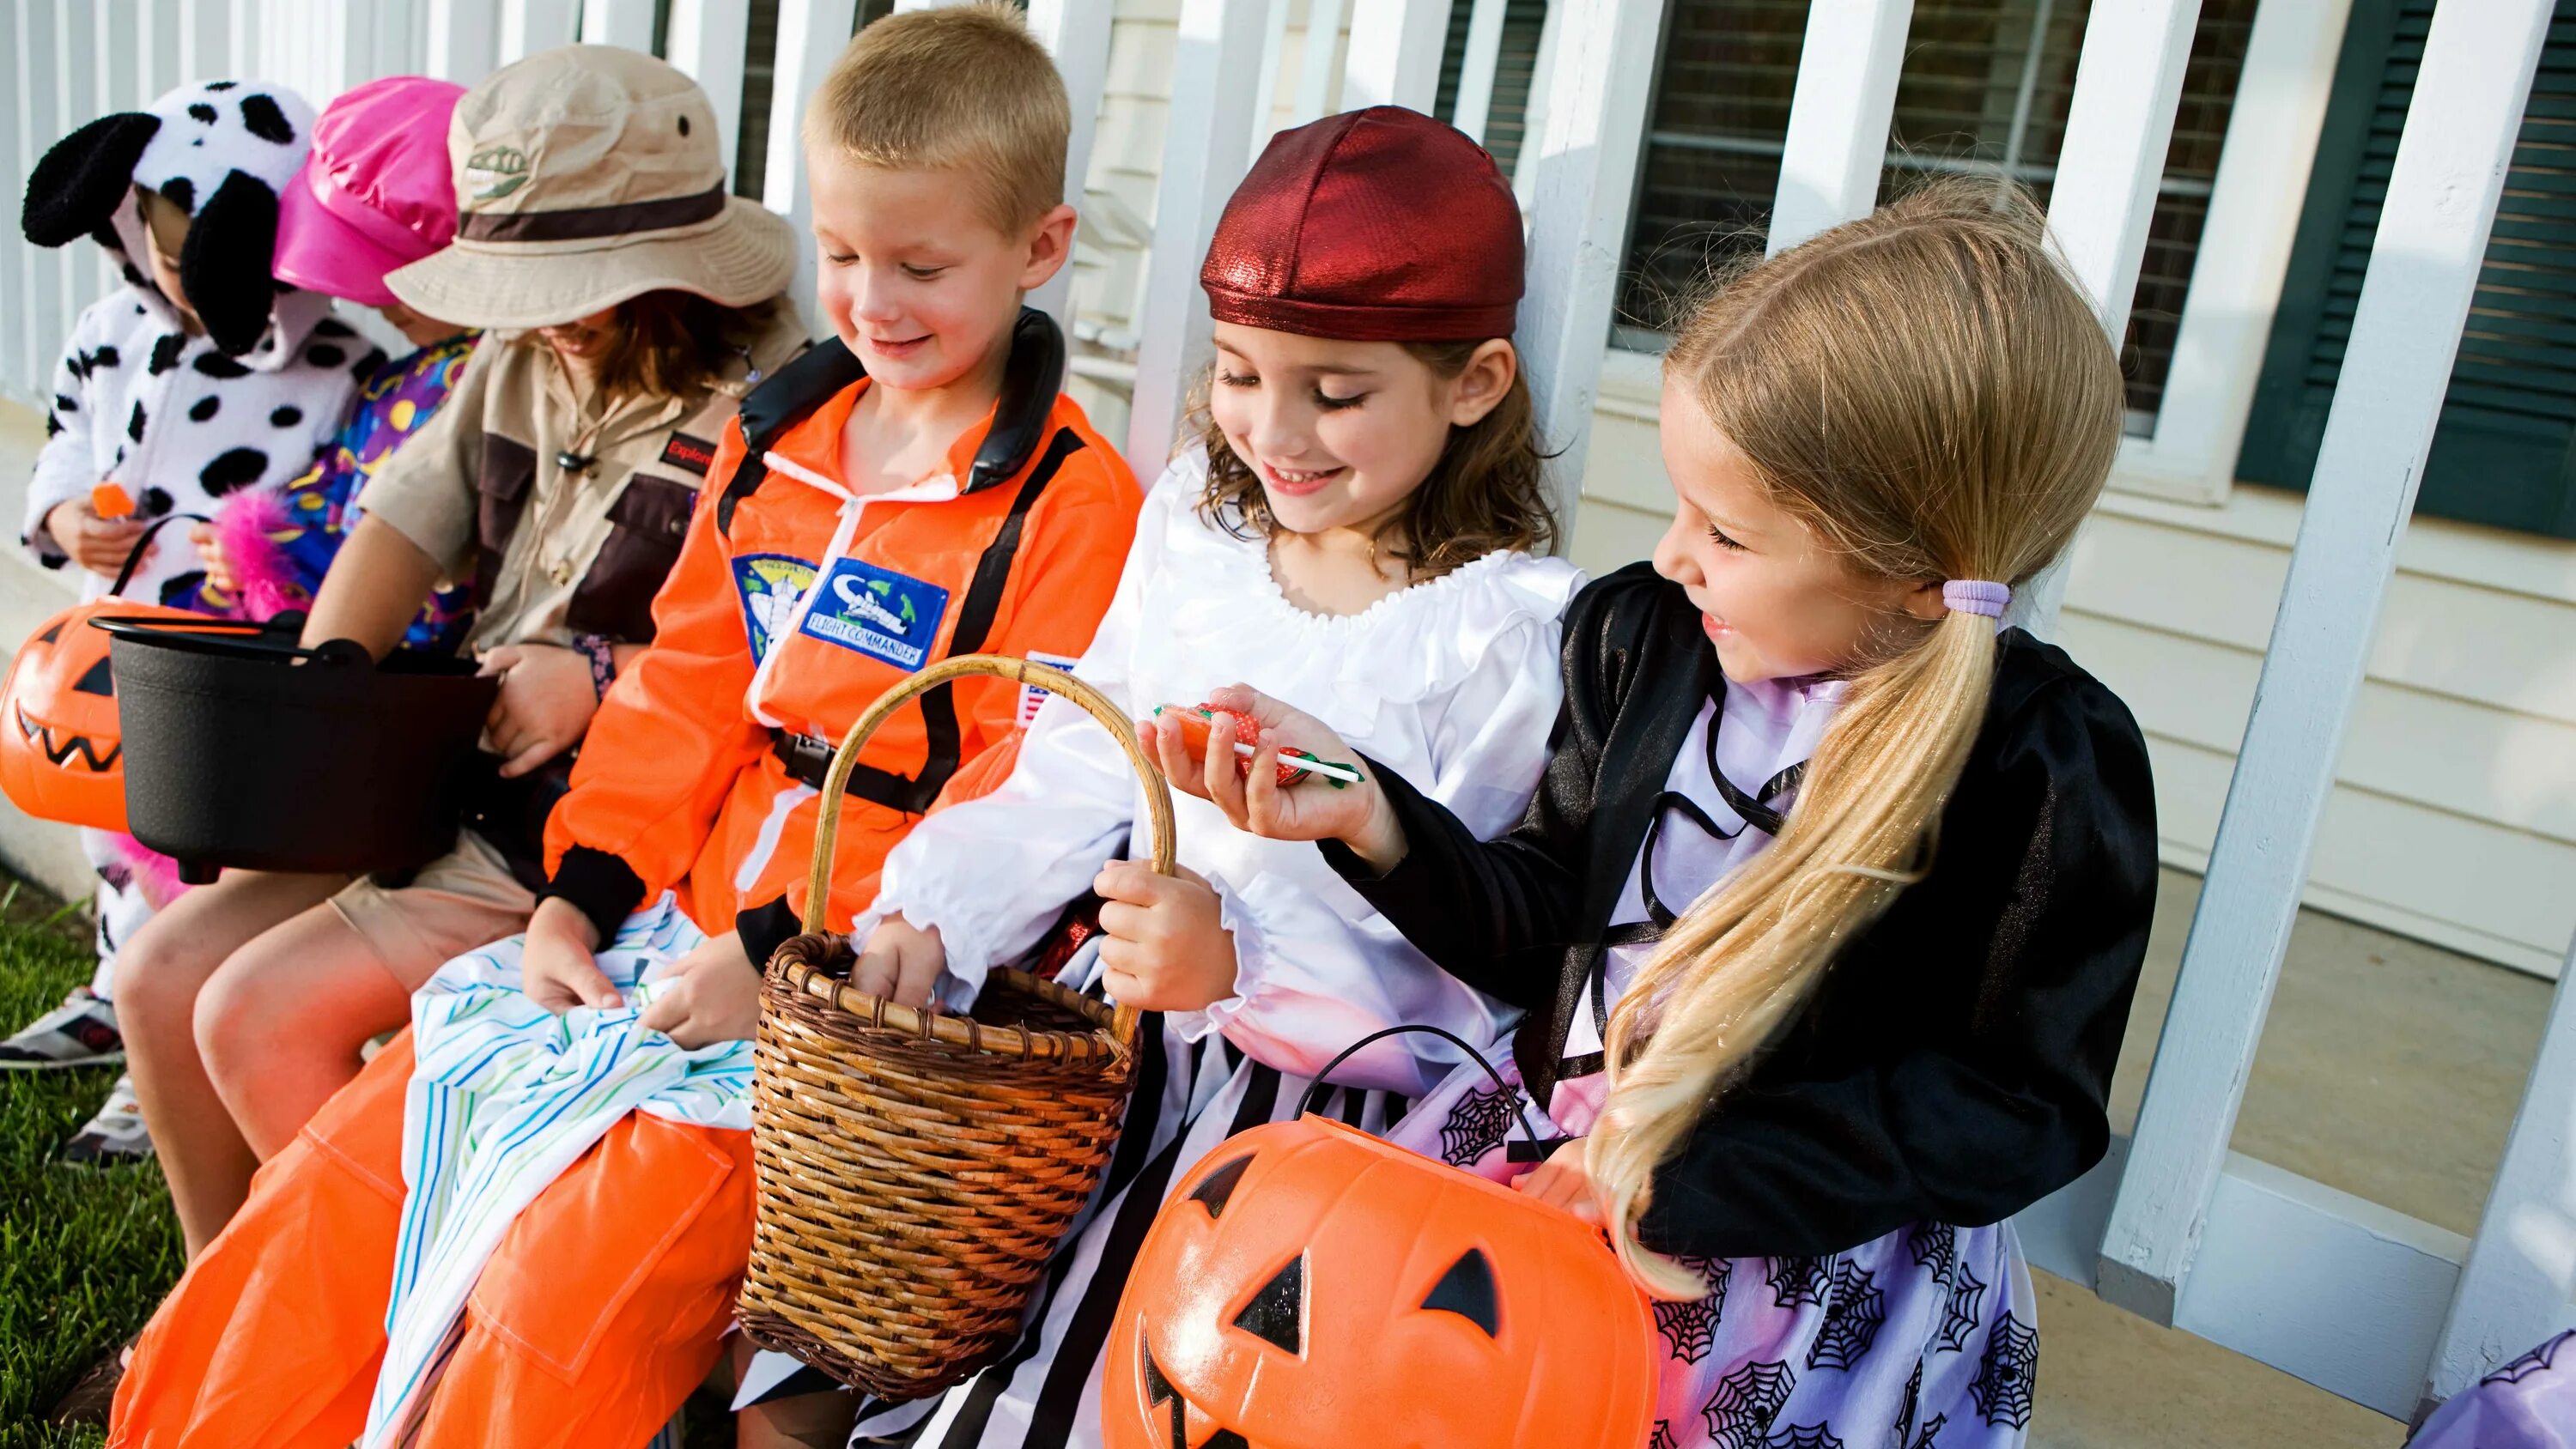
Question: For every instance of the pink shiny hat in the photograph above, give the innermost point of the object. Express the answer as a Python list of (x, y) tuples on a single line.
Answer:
[(376, 193)]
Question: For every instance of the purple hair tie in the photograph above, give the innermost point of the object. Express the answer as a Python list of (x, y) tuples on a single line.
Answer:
[(1977, 596)]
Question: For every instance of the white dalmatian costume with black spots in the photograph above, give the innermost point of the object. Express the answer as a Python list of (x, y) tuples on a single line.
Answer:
[(181, 421)]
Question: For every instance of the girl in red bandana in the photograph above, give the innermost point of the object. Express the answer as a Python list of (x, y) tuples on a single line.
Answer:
[(1353, 526)]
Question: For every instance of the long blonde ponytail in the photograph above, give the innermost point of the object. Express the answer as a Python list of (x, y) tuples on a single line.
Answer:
[(1929, 391)]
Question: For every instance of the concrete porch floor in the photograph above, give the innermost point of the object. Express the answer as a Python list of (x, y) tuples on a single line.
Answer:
[(2389, 1069)]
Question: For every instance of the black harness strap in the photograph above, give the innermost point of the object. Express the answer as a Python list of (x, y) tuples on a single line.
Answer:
[(1031, 377), (808, 760), (777, 405), (1030, 380)]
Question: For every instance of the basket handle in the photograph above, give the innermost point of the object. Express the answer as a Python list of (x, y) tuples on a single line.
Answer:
[(827, 826)]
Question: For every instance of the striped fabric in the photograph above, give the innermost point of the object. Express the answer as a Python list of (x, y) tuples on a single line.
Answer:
[(507, 1095)]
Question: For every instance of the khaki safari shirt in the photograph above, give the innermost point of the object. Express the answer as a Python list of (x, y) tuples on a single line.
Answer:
[(552, 552)]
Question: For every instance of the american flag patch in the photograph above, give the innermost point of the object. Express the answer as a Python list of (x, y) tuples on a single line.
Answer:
[(1030, 695)]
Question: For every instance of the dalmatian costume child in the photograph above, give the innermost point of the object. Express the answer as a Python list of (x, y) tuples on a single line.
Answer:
[(176, 416)]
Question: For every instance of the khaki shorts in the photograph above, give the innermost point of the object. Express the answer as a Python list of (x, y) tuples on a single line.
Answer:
[(464, 899)]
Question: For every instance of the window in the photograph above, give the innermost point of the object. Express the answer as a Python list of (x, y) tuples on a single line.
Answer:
[(2502, 454), (1984, 92), (1515, 70)]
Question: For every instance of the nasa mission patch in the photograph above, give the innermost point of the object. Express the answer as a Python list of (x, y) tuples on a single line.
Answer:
[(877, 612), (771, 584)]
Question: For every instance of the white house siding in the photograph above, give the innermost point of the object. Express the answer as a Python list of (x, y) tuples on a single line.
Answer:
[(2454, 817)]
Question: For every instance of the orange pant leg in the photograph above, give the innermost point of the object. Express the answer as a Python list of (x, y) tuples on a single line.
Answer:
[(274, 1335), (608, 1300)]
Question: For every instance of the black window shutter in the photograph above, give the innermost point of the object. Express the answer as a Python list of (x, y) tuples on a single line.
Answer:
[(2505, 451)]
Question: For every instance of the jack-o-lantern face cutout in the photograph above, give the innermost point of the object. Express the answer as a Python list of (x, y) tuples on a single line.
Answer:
[(62, 756), (1311, 1287)]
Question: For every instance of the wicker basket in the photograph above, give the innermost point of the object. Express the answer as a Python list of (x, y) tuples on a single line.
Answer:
[(917, 1168)]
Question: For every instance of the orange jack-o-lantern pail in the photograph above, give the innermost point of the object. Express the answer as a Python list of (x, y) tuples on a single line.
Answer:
[(62, 755), (1308, 1286)]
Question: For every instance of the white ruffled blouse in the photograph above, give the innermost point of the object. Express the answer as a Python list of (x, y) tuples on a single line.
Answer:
[(1452, 682)]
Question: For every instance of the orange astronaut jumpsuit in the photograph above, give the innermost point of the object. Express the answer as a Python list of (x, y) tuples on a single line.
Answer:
[(793, 606)]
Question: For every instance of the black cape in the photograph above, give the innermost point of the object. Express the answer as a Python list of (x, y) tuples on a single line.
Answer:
[(1952, 1065)]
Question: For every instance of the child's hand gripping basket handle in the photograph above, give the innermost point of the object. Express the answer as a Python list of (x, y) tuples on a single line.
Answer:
[(918, 1168), (827, 826)]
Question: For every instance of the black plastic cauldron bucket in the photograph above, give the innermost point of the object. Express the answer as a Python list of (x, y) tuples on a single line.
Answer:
[(244, 749)]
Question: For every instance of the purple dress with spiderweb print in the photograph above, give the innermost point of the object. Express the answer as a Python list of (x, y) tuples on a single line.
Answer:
[(1925, 1338)]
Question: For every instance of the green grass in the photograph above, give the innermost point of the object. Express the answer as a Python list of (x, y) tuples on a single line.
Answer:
[(85, 1253)]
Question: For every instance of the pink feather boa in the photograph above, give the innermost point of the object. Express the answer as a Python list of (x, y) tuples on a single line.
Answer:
[(155, 874), (247, 526)]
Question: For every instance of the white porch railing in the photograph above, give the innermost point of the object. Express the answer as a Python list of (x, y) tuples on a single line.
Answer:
[(2373, 1305)]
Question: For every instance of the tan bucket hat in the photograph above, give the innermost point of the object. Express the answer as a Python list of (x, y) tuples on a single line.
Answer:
[(584, 176)]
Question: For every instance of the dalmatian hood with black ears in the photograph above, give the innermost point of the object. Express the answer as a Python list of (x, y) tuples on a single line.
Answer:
[(177, 420), (222, 151)]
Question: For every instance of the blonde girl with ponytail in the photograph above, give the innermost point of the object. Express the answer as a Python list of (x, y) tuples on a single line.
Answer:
[(1828, 913)]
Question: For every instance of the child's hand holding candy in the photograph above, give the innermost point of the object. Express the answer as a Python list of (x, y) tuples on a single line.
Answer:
[(1257, 793)]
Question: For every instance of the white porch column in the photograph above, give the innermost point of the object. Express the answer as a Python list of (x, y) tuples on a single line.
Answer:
[(811, 35), (1838, 117), (1582, 174), (2519, 1285), (1395, 54), (529, 26), (707, 41), (2118, 126), (1315, 68), (618, 22), (2450, 165), (1476, 69), (1204, 154), (1076, 33), (464, 39)]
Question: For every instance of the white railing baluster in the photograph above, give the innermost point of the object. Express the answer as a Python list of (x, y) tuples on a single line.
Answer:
[(113, 84), (205, 39), (1476, 68), (1265, 100), (529, 26), (348, 57), (1318, 67), (38, 342), (1534, 114), (2119, 123), (1582, 172), (707, 40), (1214, 57), (1076, 33), (1395, 54), (242, 40), (464, 39), (1838, 116), (621, 22), (2271, 140), (2516, 1287), (76, 105), (156, 49), (811, 35), (15, 380), (2441, 201), (397, 48)]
